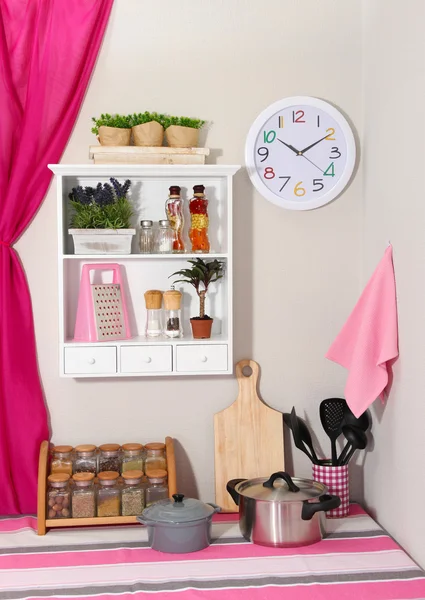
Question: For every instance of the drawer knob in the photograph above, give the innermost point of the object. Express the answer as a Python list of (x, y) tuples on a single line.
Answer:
[(91, 361), (148, 359), (204, 359)]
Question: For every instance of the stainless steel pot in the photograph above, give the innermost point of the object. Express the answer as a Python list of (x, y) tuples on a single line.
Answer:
[(179, 525), (281, 511)]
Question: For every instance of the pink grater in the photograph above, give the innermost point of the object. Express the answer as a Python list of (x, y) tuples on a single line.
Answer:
[(102, 311)]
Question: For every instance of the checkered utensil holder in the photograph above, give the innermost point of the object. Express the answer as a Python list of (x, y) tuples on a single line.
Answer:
[(336, 480)]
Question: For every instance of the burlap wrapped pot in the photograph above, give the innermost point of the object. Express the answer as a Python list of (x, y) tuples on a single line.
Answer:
[(114, 136), (148, 134), (182, 137)]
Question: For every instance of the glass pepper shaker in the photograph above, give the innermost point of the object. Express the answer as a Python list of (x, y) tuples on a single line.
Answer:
[(85, 460), (58, 496), (61, 460), (108, 495), (173, 320), (157, 488), (132, 493), (164, 237), (174, 212), (199, 221), (83, 496), (109, 458), (146, 237), (153, 301)]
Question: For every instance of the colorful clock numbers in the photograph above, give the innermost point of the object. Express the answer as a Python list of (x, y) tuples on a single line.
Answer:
[(300, 153)]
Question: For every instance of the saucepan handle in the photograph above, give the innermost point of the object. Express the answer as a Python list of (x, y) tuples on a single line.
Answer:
[(215, 506), (230, 487), (326, 502)]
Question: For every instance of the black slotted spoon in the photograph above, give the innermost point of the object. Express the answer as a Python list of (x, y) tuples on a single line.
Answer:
[(332, 411)]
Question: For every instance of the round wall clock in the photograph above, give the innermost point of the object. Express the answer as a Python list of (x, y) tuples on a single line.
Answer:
[(300, 153)]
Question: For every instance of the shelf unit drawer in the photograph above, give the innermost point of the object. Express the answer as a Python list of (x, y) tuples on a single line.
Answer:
[(90, 359), (200, 358), (146, 359)]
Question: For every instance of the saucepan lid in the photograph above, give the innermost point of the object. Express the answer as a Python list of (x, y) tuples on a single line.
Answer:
[(280, 487), (178, 509)]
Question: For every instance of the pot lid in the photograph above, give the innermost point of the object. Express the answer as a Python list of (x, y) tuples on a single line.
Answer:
[(281, 487), (178, 509)]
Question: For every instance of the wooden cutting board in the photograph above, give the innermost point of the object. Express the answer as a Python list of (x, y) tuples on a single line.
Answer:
[(248, 437)]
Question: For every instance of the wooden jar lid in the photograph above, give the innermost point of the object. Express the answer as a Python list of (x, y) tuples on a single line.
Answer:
[(83, 476), (108, 475), (156, 474), (132, 447), (135, 474), (85, 448), (109, 447), (58, 477), (155, 446), (153, 299), (62, 449), (172, 299)]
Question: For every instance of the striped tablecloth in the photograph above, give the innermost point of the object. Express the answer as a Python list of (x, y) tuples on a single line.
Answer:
[(356, 560)]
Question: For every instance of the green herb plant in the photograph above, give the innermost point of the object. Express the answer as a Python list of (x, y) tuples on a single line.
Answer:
[(107, 120), (146, 117), (104, 207), (182, 121), (201, 274)]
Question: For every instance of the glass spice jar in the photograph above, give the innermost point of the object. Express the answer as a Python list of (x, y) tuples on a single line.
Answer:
[(155, 457), (132, 493), (164, 238), (174, 212), (173, 319), (61, 460), (108, 495), (85, 459), (132, 457), (199, 221), (83, 496), (157, 488), (109, 458), (153, 302), (146, 237), (58, 496)]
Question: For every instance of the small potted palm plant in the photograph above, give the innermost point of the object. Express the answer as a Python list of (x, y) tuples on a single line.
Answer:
[(147, 129), (112, 130), (100, 219), (201, 274), (182, 132)]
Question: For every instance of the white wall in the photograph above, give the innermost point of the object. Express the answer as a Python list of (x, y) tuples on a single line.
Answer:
[(297, 274), (393, 166)]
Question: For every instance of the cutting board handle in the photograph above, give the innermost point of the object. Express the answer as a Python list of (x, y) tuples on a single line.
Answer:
[(247, 383)]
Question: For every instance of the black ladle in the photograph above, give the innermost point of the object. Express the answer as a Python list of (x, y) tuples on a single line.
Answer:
[(332, 418), (304, 435), (356, 438), (297, 434)]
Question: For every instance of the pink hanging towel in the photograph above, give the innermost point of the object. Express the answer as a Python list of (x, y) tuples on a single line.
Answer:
[(367, 345)]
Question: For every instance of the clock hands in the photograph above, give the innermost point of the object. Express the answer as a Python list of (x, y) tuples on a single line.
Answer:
[(315, 143), (297, 152), (310, 161)]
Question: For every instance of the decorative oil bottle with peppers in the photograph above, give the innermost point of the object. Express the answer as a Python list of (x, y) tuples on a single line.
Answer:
[(199, 221), (174, 212)]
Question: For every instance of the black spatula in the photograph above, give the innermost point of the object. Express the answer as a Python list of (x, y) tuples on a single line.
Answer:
[(332, 418)]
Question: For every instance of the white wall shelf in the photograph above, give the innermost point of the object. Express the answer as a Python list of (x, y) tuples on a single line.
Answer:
[(140, 356)]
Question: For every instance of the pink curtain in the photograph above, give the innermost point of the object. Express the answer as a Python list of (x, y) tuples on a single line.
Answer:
[(48, 49)]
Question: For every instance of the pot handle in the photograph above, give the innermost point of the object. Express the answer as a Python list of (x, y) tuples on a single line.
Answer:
[(326, 502), (281, 475), (230, 487), (215, 507)]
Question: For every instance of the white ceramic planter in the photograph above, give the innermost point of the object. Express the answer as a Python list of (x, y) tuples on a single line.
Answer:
[(102, 241)]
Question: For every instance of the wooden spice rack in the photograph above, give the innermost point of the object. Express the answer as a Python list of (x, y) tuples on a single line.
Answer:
[(43, 472)]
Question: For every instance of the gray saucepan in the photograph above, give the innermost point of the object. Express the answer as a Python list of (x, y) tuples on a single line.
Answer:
[(179, 525), (281, 511)]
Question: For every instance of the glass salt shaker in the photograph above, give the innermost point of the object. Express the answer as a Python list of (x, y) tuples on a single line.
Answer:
[(83, 496), (108, 495), (85, 460), (58, 496), (132, 494), (157, 488), (174, 212), (153, 300), (146, 237), (61, 460), (173, 319), (164, 238), (132, 458), (155, 457), (109, 458)]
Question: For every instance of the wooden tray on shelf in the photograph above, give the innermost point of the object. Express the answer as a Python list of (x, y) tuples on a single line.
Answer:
[(142, 155), (43, 523)]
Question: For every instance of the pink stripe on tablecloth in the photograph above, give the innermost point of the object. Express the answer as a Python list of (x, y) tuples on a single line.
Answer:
[(215, 552), (7, 525)]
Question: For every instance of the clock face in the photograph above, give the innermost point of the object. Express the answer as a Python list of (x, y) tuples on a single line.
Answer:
[(300, 153)]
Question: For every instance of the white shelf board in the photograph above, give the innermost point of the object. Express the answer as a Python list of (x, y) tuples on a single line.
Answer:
[(145, 170), (160, 340), (142, 256)]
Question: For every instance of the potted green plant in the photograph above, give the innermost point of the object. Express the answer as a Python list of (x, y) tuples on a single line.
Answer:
[(201, 274), (147, 129), (112, 130), (182, 132), (100, 218)]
